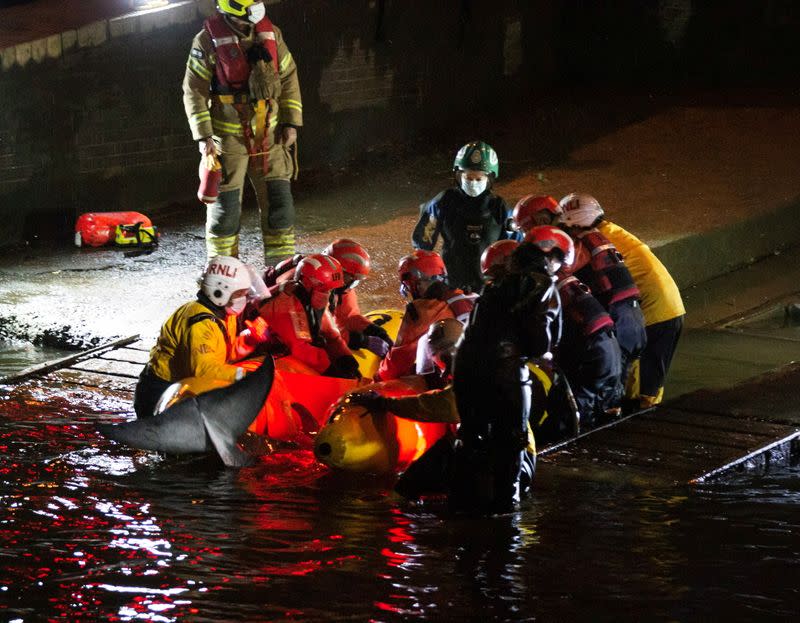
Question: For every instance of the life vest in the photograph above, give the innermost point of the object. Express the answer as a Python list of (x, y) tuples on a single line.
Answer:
[(232, 69), (583, 309), (607, 274)]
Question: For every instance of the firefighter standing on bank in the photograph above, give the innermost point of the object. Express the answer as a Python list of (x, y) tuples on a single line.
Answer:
[(242, 98)]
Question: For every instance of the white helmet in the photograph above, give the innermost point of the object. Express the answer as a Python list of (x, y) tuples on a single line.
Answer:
[(580, 210), (223, 276)]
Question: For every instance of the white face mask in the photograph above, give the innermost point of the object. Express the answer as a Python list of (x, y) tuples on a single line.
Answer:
[(256, 12), (474, 187), (236, 305)]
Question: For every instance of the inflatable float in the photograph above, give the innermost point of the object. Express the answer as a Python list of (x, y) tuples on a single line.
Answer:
[(358, 440), (300, 399), (355, 439), (95, 229)]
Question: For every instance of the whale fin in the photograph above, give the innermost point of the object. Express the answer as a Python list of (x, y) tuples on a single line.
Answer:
[(211, 421)]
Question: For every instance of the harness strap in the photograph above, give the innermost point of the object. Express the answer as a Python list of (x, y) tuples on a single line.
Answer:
[(209, 316)]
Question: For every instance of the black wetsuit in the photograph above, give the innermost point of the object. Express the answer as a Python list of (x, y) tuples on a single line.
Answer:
[(515, 318), (467, 226)]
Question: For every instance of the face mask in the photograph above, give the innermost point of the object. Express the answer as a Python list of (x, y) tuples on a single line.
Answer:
[(473, 188), (236, 306), (256, 12), (319, 299)]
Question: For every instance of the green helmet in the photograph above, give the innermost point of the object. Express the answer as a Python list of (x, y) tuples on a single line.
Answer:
[(477, 156)]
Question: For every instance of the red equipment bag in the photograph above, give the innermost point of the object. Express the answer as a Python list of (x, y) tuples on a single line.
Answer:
[(98, 228)]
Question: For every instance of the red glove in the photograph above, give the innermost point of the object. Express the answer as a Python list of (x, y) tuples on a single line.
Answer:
[(257, 331)]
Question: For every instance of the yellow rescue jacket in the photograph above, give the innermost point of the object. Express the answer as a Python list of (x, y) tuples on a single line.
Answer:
[(661, 299), (212, 114), (195, 342)]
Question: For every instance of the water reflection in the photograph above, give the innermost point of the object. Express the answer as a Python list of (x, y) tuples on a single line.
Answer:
[(90, 530)]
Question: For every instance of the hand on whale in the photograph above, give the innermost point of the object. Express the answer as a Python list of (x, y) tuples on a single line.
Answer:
[(210, 422)]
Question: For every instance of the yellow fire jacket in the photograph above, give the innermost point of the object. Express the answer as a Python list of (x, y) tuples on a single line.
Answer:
[(212, 114), (192, 343), (661, 299)]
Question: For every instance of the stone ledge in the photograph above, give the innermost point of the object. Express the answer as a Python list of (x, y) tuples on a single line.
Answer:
[(99, 32)]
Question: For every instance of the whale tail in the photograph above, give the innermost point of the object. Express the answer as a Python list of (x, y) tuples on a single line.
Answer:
[(212, 421)]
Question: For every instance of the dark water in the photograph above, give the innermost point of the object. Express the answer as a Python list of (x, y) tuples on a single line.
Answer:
[(16, 355), (90, 531)]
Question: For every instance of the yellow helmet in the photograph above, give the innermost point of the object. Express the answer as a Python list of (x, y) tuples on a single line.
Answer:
[(237, 8)]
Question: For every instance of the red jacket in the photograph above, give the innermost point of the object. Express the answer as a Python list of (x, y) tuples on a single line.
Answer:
[(287, 318), (347, 314), (420, 315)]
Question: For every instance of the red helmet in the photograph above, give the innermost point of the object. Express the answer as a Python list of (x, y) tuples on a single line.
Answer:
[(419, 265), (351, 255), (526, 212), (496, 254), (319, 272), (549, 239)]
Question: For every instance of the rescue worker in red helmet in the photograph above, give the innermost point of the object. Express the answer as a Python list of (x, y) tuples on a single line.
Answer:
[(200, 338), (588, 353), (242, 98), (516, 318), (297, 313), (533, 210), (423, 281), (467, 217), (600, 265), (496, 257), (357, 330)]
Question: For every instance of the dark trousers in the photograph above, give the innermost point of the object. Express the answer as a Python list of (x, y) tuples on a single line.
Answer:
[(593, 372), (631, 333), (148, 390), (662, 339)]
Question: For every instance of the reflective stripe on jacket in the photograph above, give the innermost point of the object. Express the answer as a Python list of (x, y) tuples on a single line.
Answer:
[(221, 117), (605, 271)]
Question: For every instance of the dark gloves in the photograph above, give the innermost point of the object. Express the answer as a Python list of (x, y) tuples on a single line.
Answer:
[(379, 332), (372, 401), (372, 343), (345, 367), (258, 53)]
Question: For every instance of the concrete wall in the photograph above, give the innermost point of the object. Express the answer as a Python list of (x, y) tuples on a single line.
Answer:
[(92, 119)]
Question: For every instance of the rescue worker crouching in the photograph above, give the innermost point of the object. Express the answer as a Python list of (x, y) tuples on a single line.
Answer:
[(297, 315), (468, 217), (200, 338), (356, 329), (423, 280), (239, 63), (599, 265), (588, 353)]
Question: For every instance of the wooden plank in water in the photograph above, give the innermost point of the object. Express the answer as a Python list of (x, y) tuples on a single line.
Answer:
[(716, 422), (127, 354), (63, 362), (703, 434), (92, 379), (142, 345), (105, 366)]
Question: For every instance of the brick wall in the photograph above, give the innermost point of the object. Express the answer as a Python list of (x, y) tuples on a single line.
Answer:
[(92, 119)]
